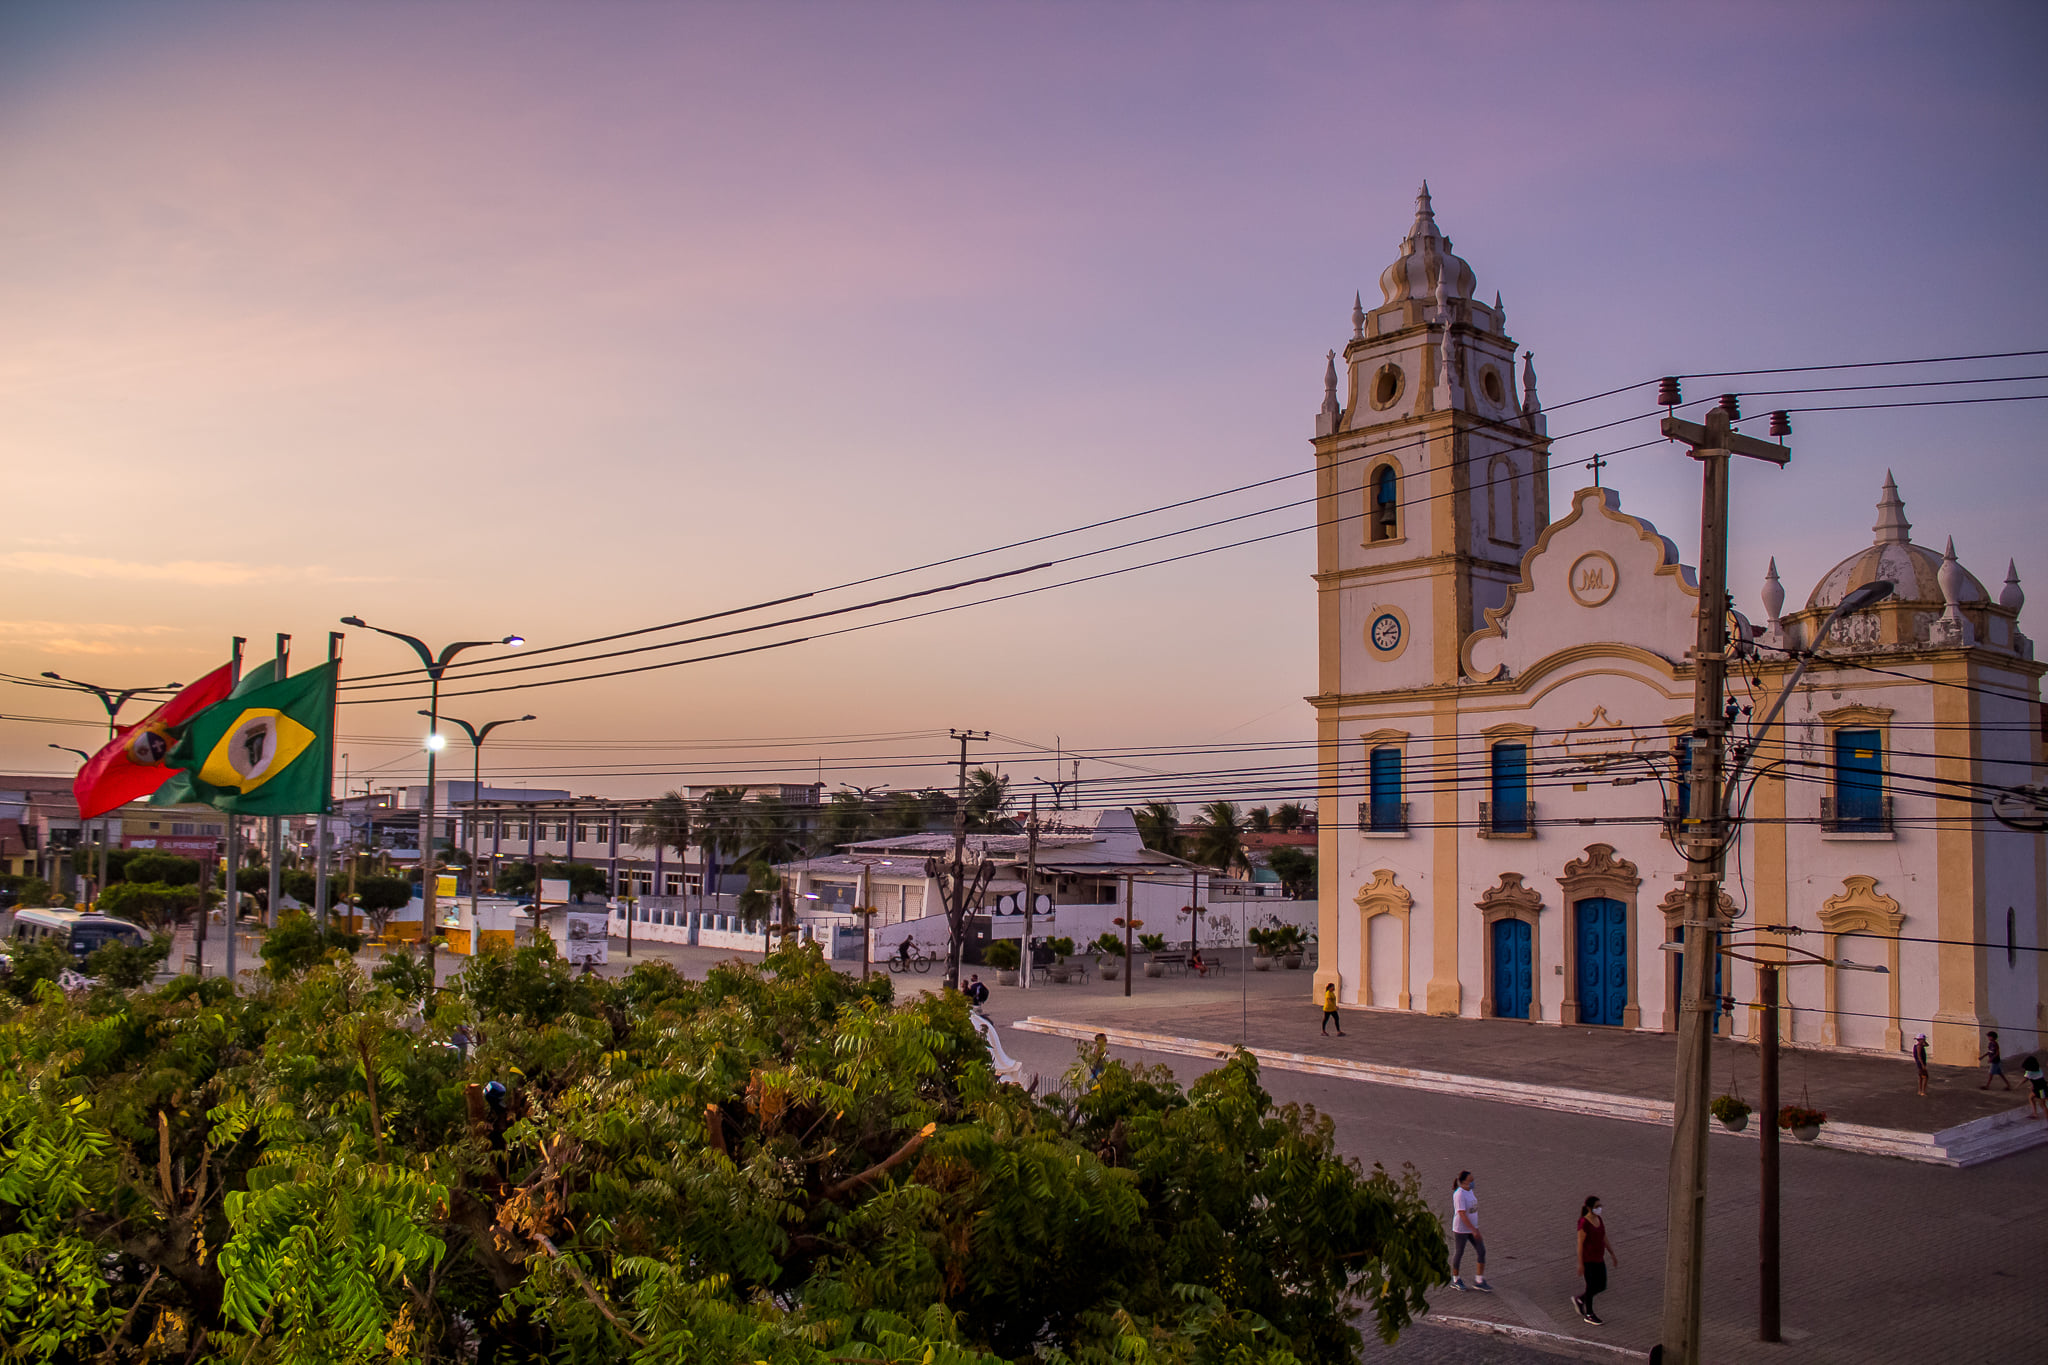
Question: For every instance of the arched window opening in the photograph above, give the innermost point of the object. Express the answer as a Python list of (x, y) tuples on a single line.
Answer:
[(1385, 503)]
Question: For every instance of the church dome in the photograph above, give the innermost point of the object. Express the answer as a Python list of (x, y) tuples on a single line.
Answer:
[(1914, 570), (1425, 254)]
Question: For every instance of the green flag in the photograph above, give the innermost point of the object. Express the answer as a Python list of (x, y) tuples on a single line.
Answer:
[(179, 790), (266, 751)]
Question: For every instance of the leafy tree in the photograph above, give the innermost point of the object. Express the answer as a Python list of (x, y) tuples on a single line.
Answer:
[(772, 1164), (406, 974), (168, 868), (1219, 837), (515, 879), (301, 885), (16, 889), (379, 898), (34, 963), (988, 796), (1296, 869), (1159, 826), (297, 944), (153, 904), (1289, 817)]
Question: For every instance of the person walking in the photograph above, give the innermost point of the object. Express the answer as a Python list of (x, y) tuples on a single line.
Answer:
[(2037, 1088), (1330, 1010), (1920, 1060), (1995, 1060), (976, 991), (1465, 1229), (1594, 1253)]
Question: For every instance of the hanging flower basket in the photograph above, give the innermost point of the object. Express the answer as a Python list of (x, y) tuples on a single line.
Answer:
[(1804, 1123), (1732, 1110)]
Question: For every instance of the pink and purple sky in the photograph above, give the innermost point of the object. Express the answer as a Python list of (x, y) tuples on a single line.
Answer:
[(566, 319)]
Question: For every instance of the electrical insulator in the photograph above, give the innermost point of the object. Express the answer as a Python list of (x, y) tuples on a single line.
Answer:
[(1667, 391), (1732, 405), (1781, 423)]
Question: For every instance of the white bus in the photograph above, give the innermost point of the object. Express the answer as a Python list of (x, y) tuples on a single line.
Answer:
[(81, 931)]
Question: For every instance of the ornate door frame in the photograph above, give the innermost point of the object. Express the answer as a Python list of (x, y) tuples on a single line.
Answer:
[(1382, 897), (1511, 900), (1673, 906), (1861, 907), (1600, 874)]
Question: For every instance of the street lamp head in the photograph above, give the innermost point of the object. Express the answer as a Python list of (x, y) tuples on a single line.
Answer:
[(58, 676), (1869, 595), (437, 742), (355, 621), (529, 717), (513, 640)]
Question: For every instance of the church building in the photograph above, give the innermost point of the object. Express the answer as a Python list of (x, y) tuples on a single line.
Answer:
[(1503, 698)]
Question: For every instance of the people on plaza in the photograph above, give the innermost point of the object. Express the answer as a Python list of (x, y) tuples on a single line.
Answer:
[(2037, 1088), (1994, 1059), (1330, 1010), (1464, 1230), (1920, 1060), (1595, 1251), (1196, 965), (977, 991)]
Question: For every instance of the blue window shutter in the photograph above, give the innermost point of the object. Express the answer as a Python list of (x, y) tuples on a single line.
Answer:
[(1510, 787)]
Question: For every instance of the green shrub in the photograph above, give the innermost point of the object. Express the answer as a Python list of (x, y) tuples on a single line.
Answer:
[(297, 944), (125, 965), (33, 962), (165, 868), (1152, 943), (1003, 955), (1109, 943), (406, 974), (1061, 947)]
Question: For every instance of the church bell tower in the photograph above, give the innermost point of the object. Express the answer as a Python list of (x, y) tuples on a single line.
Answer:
[(1432, 474)]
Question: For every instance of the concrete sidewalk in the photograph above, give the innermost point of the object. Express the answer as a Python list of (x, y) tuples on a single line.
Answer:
[(1870, 1101)]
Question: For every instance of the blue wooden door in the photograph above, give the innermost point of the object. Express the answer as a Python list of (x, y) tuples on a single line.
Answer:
[(1601, 938), (1512, 977)]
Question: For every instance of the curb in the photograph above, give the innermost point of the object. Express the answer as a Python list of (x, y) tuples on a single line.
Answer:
[(1535, 1337), (1967, 1144)]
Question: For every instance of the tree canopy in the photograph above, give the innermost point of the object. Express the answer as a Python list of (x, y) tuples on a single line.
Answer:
[(773, 1164)]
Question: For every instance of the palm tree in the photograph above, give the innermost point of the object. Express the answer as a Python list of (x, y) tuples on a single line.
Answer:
[(1219, 837), (669, 824), (1288, 818), (1262, 819), (987, 796), (773, 834), (906, 814), (721, 829), (848, 819), (1159, 827)]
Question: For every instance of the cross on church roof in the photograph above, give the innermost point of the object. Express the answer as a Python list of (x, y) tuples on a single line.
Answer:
[(1596, 464)]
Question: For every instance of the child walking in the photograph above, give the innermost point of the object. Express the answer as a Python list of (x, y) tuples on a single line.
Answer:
[(1594, 1254), (1995, 1060), (2037, 1088)]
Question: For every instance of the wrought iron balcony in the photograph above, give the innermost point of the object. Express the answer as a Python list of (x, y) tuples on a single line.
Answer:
[(1383, 817), (1862, 820), (1519, 823)]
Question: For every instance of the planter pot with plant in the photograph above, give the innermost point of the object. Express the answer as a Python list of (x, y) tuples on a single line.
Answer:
[(1732, 1111), (1061, 949), (1112, 949), (1003, 955), (1803, 1123), (1153, 944)]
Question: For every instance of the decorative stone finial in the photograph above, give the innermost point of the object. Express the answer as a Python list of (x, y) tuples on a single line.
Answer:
[(1892, 527), (1358, 317), (1425, 257), (1500, 313), (1950, 576), (1530, 407), (1951, 628), (2010, 597), (1773, 594), (1328, 419)]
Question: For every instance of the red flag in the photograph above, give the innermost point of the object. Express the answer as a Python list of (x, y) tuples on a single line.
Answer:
[(131, 765)]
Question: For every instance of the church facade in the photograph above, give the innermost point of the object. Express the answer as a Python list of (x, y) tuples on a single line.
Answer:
[(1503, 699)]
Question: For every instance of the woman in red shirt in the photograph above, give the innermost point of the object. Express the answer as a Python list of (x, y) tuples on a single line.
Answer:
[(1594, 1253)]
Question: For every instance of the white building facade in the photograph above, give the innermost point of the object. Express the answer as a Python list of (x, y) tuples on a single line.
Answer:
[(1502, 704)]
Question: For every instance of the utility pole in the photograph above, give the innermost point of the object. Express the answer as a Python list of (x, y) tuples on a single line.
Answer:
[(1130, 909), (1713, 443), (320, 889), (1030, 886), (953, 880), (1767, 1158)]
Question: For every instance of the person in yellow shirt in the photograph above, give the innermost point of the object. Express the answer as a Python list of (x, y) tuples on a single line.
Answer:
[(1330, 1010)]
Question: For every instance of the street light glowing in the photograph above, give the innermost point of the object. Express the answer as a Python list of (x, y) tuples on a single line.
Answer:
[(513, 640), (437, 742)]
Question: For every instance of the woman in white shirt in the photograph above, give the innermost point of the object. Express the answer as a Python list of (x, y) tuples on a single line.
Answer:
[(1465, 1228)]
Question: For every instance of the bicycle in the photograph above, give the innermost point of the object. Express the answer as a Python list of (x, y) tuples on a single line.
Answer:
[(909, 957)]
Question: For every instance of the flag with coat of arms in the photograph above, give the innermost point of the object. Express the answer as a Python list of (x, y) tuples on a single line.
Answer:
[(266, 750)]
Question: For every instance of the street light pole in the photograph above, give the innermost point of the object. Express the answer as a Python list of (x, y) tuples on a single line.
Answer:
[(435, 666), (477, 736), (113, 698)]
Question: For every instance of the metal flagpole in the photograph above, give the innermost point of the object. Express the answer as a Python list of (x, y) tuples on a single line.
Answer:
[(233, 888), (276, 832)]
